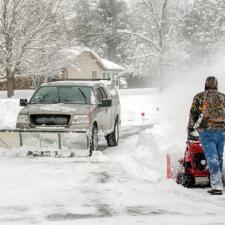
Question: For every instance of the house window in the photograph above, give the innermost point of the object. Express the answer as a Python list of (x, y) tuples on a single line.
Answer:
[(94, 75), (106, 75)]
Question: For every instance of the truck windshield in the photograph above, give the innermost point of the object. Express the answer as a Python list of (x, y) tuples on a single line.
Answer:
[(62, 94)]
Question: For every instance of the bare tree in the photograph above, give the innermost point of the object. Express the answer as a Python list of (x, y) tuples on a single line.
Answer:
[(24, 26)]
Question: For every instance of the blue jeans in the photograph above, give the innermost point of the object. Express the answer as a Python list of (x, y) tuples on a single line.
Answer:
[(213, 146)]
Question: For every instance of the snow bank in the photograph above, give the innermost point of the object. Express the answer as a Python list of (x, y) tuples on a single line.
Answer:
[(146, 160), (8, 113), (98, 157), (18, 94), (10, 108)]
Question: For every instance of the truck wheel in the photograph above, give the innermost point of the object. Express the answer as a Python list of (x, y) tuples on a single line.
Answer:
[(113, 138), (93, 140)]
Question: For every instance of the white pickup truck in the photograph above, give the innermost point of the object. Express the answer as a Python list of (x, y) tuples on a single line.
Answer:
[(92, 107)]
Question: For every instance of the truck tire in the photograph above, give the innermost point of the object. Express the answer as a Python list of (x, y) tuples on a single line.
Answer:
[(93, 140), (113, 138)]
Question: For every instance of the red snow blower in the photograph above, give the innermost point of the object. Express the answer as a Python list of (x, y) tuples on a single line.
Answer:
[(193, 167)]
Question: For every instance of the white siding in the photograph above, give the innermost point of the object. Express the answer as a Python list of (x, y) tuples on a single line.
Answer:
[(85, 67)]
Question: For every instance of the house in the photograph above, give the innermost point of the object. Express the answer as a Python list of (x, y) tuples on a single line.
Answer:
[(76, 63), (86, 64)]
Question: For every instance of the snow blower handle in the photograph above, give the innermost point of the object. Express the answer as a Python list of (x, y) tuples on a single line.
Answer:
[(193, 135)]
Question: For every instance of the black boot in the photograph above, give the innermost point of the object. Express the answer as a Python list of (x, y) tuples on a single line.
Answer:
[(215, 192)]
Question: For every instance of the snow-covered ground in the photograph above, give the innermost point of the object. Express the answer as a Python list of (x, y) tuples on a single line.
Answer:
[(122, 185)]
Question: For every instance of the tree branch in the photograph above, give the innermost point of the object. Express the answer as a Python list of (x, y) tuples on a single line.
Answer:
[(142, 37)]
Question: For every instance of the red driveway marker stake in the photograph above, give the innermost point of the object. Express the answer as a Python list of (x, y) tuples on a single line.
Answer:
[(143, 117), (168, 167)]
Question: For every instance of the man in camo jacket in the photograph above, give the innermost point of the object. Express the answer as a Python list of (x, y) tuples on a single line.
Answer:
[(207, 115)]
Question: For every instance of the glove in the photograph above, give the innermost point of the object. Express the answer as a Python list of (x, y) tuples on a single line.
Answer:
[(193, 134)]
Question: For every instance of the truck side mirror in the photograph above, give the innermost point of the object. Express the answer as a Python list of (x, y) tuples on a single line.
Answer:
[(106, 103), (23, 102)]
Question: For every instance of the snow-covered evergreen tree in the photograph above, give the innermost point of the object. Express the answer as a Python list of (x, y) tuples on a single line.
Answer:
[(97, 24), (112, 16)]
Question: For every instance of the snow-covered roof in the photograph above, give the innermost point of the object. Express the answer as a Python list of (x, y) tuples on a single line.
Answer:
[(73, 53), (111, 66)]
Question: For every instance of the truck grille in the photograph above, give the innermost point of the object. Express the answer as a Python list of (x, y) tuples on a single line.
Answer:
[(50, 120)]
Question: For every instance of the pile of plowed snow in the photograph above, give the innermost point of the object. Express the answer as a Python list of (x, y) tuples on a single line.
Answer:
[(8, 113), (143, 157), (9, 108)]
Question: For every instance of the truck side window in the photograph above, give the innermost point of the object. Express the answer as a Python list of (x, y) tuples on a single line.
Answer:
[(103, 93), (99, 95)]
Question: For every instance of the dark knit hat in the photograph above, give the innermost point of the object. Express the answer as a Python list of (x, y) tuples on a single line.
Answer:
[(211, 83)]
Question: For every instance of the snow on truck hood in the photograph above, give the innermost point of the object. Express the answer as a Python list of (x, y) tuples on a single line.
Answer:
[(59, 108)]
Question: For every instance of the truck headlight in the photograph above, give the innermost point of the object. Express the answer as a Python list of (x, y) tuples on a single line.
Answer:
[(22, 119), (77, 119)]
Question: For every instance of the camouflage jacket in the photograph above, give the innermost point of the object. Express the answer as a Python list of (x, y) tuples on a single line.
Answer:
[(207, 111)]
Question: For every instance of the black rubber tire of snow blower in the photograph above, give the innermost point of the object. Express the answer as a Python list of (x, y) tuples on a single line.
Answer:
[(113, 138), (93, 140)]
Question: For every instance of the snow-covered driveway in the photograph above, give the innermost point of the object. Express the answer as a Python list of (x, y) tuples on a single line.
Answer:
[(121, 185)]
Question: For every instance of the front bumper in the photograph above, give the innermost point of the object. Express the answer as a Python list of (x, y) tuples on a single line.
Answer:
[(84, 126), (39, 138)]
